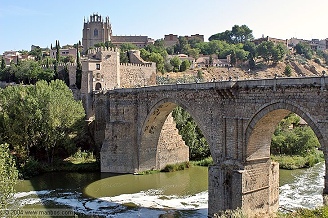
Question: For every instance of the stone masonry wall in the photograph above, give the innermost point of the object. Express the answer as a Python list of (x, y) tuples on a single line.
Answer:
[(137, 75), (171, 147)]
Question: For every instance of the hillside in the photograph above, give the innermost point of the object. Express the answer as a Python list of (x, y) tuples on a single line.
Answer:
[(300, 67)]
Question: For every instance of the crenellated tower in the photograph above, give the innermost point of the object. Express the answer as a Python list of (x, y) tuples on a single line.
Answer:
[(96, 30)]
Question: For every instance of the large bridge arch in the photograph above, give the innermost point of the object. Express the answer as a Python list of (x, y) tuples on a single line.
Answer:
[(151, 129), (262, 125)]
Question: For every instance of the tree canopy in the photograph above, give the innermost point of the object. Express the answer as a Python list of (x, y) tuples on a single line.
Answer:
[(40, 119), (295, 140), (238, 34), (8, 175)]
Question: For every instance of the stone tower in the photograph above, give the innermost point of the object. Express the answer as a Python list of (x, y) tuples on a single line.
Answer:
[(100, 71), (96, 30)]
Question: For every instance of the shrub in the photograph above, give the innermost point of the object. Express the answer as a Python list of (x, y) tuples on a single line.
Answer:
[(288, 70), (30, 168), (205, 162), (176, 167), (8, 175)]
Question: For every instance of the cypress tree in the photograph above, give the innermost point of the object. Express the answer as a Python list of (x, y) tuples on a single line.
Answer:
[(78, 69), (3, 64), (56, 61)]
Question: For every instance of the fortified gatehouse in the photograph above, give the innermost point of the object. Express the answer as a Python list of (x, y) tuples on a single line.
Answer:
[(237, 119)]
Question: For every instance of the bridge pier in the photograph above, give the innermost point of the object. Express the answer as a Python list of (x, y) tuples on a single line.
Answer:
[(253, 187)]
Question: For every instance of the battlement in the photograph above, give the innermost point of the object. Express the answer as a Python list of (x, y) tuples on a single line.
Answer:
[(60, 64), (137, 65), (101, 49)]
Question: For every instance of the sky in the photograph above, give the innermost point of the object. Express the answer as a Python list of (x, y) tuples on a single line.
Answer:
[(41, 22)]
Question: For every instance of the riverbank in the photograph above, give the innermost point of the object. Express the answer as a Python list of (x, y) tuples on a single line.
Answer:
[(291, 162), (81, 161)]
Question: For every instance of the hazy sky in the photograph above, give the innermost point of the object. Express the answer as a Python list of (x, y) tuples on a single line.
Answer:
[(41, 22)]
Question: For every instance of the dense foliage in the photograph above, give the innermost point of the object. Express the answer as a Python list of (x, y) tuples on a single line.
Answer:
[(291, 138), (304, 49), (191, 134), (235, 43), (40, 121), (27, 72), (238, 34), (8, 175)]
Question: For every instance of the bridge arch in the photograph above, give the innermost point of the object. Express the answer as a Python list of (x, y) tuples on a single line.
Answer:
[(152, 127), (262, 125)]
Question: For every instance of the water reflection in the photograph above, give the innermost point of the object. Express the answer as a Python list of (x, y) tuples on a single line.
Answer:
[(182, 183)]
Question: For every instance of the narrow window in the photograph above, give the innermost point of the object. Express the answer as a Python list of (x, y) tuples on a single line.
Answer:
[(95, 32), (98, 66), (98, 86)]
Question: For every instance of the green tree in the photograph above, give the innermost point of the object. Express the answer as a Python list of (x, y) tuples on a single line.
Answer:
[(3, 64), (69, 59), (57, 60), (304, 49), (28, 72), (238, 34), (182, 46), (8, 176), (46, 74), (185, 65), (37, 53), (292, 139), (78, 70), (223, 36), (233, 58), (191, 134), (44, 117), (288, 70), (278, 52), (194, 52), (175, 62), (109, 44), (159, 60), (265, 50), (124, 48)]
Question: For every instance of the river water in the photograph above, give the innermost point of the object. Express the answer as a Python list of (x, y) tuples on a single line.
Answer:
[(183, 193)]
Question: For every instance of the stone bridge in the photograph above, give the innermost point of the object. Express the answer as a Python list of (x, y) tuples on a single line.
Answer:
[(237, 119)]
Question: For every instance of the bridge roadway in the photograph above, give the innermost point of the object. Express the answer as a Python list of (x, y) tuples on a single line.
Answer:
[(237, 119)]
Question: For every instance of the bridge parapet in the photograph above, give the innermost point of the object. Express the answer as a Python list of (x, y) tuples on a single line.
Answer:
[(283, 82), (225, 85)]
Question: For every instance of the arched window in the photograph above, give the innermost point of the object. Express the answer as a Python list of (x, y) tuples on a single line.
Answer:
[(95, 32), (98, 86)]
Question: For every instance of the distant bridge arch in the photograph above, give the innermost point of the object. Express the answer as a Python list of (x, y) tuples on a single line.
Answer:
[(262, 125)]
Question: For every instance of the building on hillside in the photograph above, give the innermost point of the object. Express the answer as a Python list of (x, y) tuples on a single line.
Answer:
[(64, 52), (315, 44), (96, 30), (270, 39), (319, 45), (183, 57), (205, 61), (13, 56), (171, 39), (196, 36), (139, 41), (294, 41)]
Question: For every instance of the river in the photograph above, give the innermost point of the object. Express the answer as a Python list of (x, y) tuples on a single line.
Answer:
[(183, 193)]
